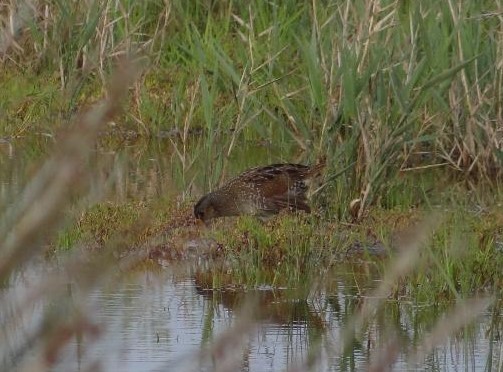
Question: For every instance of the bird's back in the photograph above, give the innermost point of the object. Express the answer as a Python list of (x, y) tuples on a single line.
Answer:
[(267, 190), (260, 191)]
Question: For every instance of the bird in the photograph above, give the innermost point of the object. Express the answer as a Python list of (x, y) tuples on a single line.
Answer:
[(261, 192)]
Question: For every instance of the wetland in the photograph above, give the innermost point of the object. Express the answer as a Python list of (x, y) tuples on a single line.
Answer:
[(117, 116)]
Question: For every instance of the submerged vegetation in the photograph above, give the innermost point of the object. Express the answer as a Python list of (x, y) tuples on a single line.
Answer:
[(403, 98)]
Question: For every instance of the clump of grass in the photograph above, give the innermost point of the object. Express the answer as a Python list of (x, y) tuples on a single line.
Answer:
[(292, 248), (99, 223)]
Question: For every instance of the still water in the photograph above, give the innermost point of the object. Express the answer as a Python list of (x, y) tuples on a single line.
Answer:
[(161, 320), (167, 319)]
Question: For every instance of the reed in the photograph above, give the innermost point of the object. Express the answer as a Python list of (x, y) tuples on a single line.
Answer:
[(402, 98), (396, 87)]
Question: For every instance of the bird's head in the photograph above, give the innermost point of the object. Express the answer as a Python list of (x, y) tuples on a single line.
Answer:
[(205, 209)]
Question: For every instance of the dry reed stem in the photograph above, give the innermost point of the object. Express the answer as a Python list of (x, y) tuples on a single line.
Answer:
[(88, 269), (20, 15), (451, 322), (226, 349), (41, 209), (382, 359), (404, 264), (43, 200)]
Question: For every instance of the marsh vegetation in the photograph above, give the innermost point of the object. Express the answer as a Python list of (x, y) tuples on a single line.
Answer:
[(116, 116)]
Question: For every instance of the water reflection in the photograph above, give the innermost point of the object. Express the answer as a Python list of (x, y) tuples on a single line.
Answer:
[(162, 320), (158, 320)]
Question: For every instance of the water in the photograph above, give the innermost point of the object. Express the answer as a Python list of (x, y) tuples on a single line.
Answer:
[(167, 319), (163, 321)]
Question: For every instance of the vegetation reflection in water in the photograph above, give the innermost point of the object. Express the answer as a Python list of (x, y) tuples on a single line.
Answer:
[(403, 100), (164, 318), (264, 295)]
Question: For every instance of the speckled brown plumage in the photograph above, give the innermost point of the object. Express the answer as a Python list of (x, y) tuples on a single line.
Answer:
[(261, 191)]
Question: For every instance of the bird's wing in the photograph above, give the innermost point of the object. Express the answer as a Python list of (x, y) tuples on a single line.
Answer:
[(275, 180)]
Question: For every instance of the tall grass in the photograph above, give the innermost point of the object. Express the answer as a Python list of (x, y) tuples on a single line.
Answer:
[(394, 86), (383, 89)]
